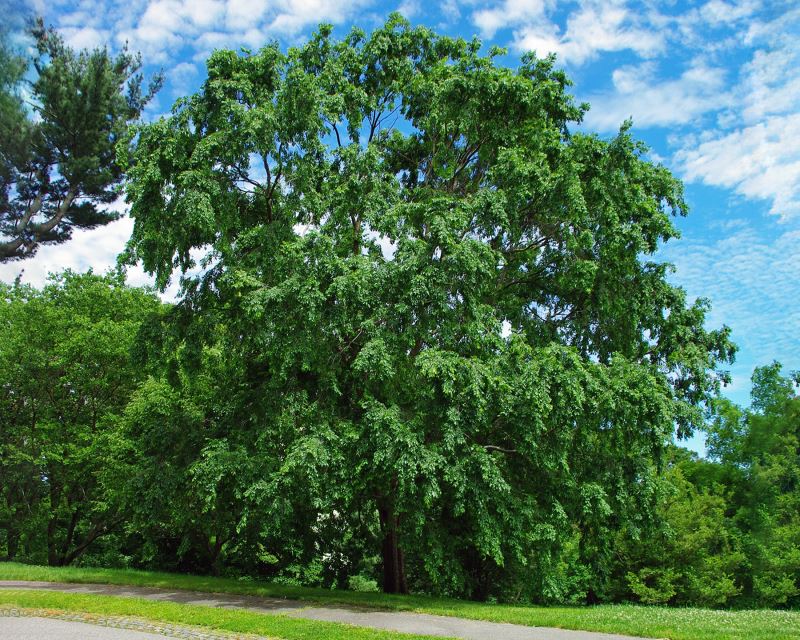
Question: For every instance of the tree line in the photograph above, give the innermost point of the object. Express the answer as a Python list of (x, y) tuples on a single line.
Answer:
[(422, 343)]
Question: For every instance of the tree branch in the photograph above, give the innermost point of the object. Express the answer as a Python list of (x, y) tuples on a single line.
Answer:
[(492, 447)]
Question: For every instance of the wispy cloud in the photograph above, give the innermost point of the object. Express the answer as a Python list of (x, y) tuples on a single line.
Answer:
[(733, 126), (596, 27), (642, 94), (181, 77), (164, 29), (760, 161), (755, 149), (750, 275), (410, 8), (509, 14)]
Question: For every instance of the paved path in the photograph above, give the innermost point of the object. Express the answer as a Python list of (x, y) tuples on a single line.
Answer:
[(43, 624), (408, 622), (46, 629)]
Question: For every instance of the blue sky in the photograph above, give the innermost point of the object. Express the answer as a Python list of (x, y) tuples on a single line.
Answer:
[(713, 86)]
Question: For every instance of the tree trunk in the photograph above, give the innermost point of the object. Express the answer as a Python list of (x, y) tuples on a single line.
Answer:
[(394, 573), (53, 558), (215, 555), (52, 553), (401, 568), (12, 541), (73, 522)]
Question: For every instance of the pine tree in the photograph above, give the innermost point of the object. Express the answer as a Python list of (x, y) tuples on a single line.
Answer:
[(58, 170)]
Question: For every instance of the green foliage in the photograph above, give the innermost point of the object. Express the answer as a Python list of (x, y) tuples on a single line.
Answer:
[(443, 337), (769, 495), (13, 121), (57, 159), (697, 558), (731, 524), (362, 583), (65, 377)]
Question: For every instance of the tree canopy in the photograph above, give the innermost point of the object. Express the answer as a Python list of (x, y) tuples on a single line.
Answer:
[(452, 334), (57, 156)]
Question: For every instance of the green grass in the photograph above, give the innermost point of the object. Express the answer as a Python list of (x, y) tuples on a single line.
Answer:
[(652, 622), (237, 621)]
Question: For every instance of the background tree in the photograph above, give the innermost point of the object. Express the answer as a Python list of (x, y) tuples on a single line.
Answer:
[(65, 376), (730, 526), (456, 336), (694, 555), (763, 445), (58, 169)]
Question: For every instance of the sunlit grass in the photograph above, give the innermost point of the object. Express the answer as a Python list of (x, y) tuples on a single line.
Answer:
[(277, 627), (653, 622)]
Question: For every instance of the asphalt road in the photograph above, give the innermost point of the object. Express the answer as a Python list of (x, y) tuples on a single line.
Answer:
[(419, 623)]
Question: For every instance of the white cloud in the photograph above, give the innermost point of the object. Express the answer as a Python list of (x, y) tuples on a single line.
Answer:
[(755, 152), (85, 37), (181, 77), (714, 27), (732, 125), (93, 249), (96, 249), (450, 12), (182, 72), (510, 13), (81, 30), (772, 82), (163, 29), (242, 15), (294, 15), (596, 26), (759, 161), (653, 101), (410, 8), (207, 41), (720, 12), (204, 14), (157, 30)]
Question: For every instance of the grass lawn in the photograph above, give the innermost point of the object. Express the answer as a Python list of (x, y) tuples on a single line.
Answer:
[(653, 622), (273, 626)]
